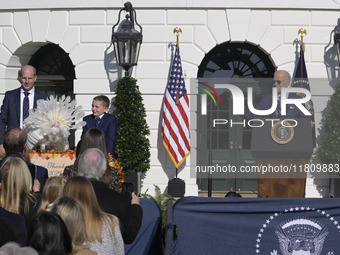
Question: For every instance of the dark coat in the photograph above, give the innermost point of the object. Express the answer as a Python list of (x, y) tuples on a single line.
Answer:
[(10, 109), (292, 111), (108, 124), (119, 205), (18, 224)]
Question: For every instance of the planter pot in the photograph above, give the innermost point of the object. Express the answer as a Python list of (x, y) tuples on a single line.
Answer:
[(135, 179)]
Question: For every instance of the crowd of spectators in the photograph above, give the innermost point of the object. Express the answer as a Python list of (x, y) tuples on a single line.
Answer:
[(81, 213)]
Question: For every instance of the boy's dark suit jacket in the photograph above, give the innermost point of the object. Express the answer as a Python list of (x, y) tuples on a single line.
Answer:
[(10, 109), (108, 124)]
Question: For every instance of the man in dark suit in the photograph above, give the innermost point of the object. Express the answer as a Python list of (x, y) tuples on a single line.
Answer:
[(13, 113), (92, 165), (15, 146), (281, 80), (102, 120)]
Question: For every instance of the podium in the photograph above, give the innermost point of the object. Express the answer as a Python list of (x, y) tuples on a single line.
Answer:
[(281, 150)]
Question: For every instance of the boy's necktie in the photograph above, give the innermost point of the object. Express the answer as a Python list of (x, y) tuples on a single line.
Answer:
[(97, 121)]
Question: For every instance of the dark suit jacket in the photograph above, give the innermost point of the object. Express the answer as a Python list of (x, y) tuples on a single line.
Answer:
[(265, 103), (10, 109), (18, 224), (108, 124), (41, 173), (119, 205)]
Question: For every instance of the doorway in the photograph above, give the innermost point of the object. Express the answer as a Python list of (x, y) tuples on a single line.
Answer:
[(228, 145), (56, 73)]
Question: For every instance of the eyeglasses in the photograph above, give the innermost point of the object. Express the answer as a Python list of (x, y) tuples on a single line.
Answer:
[(277, 81)]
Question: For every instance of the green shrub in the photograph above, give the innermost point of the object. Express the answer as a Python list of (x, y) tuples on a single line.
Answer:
[(329, 150), (132, 144)]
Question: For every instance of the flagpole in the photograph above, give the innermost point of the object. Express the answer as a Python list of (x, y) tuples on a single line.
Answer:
[(177, 31), (302, 32), (175, 122)]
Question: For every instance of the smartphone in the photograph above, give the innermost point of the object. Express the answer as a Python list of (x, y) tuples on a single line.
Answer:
[(127, 188)]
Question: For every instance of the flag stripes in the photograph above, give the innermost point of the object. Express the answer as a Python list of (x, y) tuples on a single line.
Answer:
[(175, 122)]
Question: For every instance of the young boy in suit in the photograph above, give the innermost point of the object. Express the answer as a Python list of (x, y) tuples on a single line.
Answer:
[(102, 120)]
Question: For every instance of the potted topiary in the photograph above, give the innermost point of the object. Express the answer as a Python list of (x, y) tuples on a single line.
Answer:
[(132, 143), (329, 150)]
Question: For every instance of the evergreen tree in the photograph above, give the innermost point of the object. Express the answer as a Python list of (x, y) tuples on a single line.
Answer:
[(132, 144), (329, 151)]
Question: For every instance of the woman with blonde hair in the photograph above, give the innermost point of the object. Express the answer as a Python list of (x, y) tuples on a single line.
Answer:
[(73, 214), (16, 185), (52, 190), (102, 229)]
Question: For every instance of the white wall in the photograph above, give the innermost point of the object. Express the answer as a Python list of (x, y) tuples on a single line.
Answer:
[(83, 29)]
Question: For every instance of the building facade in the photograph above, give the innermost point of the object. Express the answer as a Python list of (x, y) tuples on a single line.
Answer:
[(77, 35)]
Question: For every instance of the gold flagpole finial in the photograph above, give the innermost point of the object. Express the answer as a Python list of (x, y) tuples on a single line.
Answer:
[(302, 32), (177, 31)]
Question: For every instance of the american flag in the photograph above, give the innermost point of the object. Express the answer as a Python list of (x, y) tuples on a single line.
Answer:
[(175, 122)]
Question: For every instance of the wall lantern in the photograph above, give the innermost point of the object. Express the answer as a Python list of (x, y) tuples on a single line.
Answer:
[(337, 39), (126, 39)]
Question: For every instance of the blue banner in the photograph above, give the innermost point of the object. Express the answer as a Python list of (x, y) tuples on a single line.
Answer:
[(266, 226)]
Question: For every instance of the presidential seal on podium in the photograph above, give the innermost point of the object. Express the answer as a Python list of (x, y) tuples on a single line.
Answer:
[(282, 132)]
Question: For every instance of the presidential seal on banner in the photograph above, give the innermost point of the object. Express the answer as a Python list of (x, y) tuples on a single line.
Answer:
[(282, 132)]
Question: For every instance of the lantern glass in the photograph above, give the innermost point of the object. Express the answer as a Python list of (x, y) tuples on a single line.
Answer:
[(127, 40)]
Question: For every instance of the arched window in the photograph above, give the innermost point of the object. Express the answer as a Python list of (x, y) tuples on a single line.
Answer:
[(236, 59), (55, 70)]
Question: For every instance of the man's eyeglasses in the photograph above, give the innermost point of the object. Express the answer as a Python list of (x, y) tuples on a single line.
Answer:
[(277, 81)]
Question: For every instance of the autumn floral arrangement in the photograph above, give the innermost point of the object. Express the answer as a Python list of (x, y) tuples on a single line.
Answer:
[(121, 175)]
